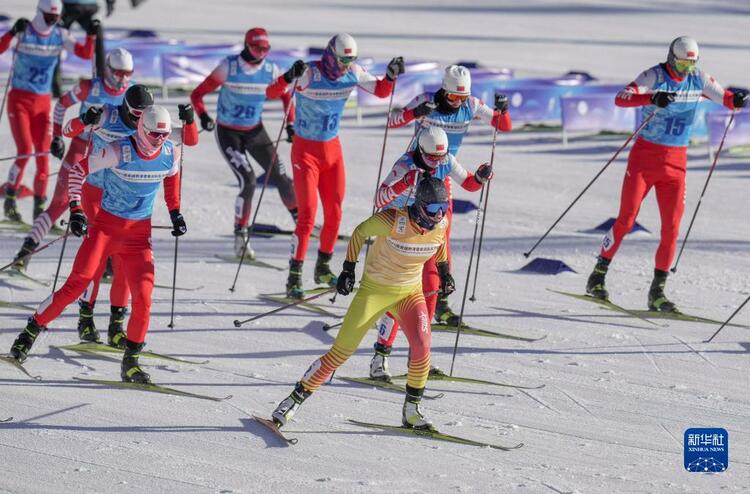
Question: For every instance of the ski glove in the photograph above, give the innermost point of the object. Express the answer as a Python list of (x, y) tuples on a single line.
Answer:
[(78, 224), (501, 103), (411, 178), (92, 116), (110, 7), (186, 113), (295, 72), (447, 283), (424, 109), (19, 26), (289, 132), (739, 99), (395, 68), (662, 98), (484, 173), (207, 123), (95, 28), (345, 283), (57, 147), (179, 227)]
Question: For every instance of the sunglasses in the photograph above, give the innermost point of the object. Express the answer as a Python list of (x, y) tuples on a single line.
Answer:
[(436, 207), (456, 98), (683, 65), (345, 60), (433, 159), (156, 135), (259, 48), (121, 73), (50, 19)]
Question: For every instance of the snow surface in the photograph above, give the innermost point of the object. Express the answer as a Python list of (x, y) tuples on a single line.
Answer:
[(619, 393)]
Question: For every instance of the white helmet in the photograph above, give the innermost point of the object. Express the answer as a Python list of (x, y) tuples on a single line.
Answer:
[(457, 80), (344, 45), (433, 145), (682, 48), (50, 6), (120, 59), (154, 127)]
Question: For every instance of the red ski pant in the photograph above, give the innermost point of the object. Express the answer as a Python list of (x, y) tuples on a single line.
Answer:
[(59, 203), (30, 124), (372, 299), (647, 168), (318, 168), (387, 325), (110, 235), (119, 292)]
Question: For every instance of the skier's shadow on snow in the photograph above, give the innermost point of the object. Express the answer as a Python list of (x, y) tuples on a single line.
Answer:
[(254, 427), (577, 320)]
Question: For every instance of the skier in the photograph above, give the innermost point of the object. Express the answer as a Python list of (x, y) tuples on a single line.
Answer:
[(137, 165), (431, 156), (29, 99), (658, 159), (405, 239), (322, 89), (452, 108), (244, 81)]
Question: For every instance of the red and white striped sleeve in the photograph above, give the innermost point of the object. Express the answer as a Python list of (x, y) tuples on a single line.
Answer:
[(638, 92), (79, 92), (393, 185), (106, 157)]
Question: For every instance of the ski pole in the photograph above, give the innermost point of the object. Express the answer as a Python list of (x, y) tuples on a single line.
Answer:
[(7, 83), (703, 192), (382, 149), (473, 297), (265, 185), (23, 156), (327, 327), (38, 249), (611, 160), (728, 320), (238, 323), (176, 239)]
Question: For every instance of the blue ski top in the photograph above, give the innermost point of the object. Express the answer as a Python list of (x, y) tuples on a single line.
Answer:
[(243, 92)]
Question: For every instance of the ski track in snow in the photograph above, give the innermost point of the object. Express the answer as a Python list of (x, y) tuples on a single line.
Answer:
[(618, 396)]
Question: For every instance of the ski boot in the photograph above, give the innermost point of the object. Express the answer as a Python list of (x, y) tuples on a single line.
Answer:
[(86, 327), (22, 346), (379, 368), (130, 371), (289, 405), (109, 271), (294, 281), (21, 261), (595, 284), (657, 301), (10, 208), (39, 202), (411, 415), (323, 274), (115, 335), (444, 314), (240, 237)]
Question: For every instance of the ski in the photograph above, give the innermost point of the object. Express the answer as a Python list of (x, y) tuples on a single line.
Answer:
[(440, 327), (95, 348), (438, 375), (273, 427), (281, 298), (266, 230), (607, 304), (18, 365), (6, 419), (15, 273), (367, 381), (108, 281), (248, 262), (153, 388), (680, 316), (13, 305), (433, 434), (19, 226)]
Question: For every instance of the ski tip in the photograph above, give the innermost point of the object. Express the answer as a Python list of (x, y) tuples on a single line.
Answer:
[(237, 323)]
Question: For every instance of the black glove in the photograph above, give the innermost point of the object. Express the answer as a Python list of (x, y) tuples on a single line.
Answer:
[(345, 283), (78, 224), (739, 99), (289, 132), (92, 116), (95, 28), (179, 227), (296, 71), (447, 283), (186, 113), (662, 98), (424, 109), (484, 173), (57, 147), (19, 26), (110, 7), (395, 68), (207, 123), (501, 103)]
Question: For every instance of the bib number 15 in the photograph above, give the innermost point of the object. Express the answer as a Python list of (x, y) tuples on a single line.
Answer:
[(675, 126)]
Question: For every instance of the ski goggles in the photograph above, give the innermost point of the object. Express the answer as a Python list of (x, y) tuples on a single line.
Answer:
[(436, 207), (258, 51), (50, 18), (344, 60), (156, 134), (684, 66), (433, 160), (456, 98), (121, 73)]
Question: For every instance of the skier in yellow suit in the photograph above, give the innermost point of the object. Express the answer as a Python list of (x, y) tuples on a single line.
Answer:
[(405, 239)]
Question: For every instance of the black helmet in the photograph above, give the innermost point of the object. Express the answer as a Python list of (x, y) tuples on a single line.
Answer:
[(431, 202), (137, 98)]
